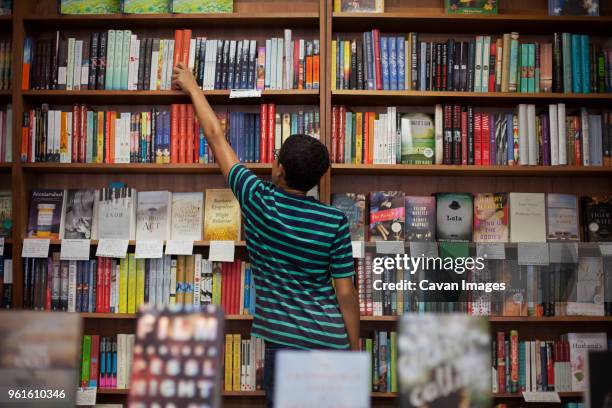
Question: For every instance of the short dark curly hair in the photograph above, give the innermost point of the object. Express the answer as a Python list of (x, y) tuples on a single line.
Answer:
[(305, 161)]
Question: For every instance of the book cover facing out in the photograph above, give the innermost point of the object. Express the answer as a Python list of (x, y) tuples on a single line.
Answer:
[(187, 212), (45, 213), (146, 6), (6, 213), (491, 217), (420, 218), (202, 6), (418, 138), (581, 344), (221, 215), (573, 8), (562, 217), (90, 6), (597, 222), (387, 216), (40, 351), (454, 214), (360, 6), (353, 206), (471, 6), (177, 357), (444, 360), (79, 214)]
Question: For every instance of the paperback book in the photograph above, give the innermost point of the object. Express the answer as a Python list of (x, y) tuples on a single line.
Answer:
[(420, 218), (146, 6), (587, 292), (202, 6), (90, 6), (491, 217), (79, 214), (418, 138), (562, 217), (387, 216), (117, 213), (153, 215), (573, 8), (222, 220), (353, 206), (6, 213), (597, 219), (454, 214), (46, 209), (187, 212), (471, 6), (580, 344), (527, 217), (359, 6)]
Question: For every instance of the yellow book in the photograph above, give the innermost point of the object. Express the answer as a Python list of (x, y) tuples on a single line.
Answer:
[(358, 137), (100, 132), (216, 289), (347, 60), (140, 282), (131, 284), (221, 216), (334, 55), (123, 291), (189, 271), (63, 148), (180, 279), (228, 362), (236, 363), (337, 6), (160, 64)]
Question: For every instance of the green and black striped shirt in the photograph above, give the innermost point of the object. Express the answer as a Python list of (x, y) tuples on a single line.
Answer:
[(296, 245)]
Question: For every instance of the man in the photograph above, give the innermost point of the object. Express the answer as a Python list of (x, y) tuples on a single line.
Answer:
[(296, 245)]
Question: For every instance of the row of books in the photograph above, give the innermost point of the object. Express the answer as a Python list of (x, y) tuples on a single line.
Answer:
[(464, 135), (542, 365), (106, 361), (123, 213), (158, 135), (243, 363), (571, 63), (381, 348), (481, 217), (6, 134), (147, 7), (6, 282), (105, 285), (6, 213), (121, 60), (6, 58)]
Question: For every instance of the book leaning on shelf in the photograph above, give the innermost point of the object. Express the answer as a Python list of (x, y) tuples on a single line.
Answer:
[(122, 60), (570, 63), (550, 135), (158, 135)]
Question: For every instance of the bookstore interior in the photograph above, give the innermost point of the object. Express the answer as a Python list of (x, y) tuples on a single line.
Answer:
[(470, 160)]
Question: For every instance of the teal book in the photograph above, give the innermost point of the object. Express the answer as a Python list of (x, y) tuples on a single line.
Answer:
[(90, 130), (125, 59), (531, 68), (537, 69), (586, 63), (118, 60), (202, 6), (576, 64), (566, 40), (146, 6), (348, 137), (110, 60), (90, 6), (514, 63), (524, 67)]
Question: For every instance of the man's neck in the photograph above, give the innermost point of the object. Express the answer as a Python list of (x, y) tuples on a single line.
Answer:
[(291, 190)]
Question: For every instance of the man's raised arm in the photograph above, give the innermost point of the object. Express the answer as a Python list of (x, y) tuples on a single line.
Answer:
[(224, 154)]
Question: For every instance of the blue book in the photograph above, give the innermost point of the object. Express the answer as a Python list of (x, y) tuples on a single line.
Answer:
[(509, 138), (103, 346), (251, 138), (241, 135), (384, 62), (492, 144), (85, 291), (342, 80), (367, 58), (252, 298), (423, 67), (203, 148), (522, 379), (159, 138), (392, 49), (401, 66), (166, 136), (257, 132), (92, 286), (576, 64), (586, 71)]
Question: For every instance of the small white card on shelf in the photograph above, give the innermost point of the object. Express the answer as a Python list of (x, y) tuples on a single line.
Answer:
[(533, 253), (541, 396), (563, 252), (222, 251), (245, 93), (75, 249), (112, 248), (390, 247), (35, 248), (149, 249), (174, 247), (358, 249), (423, 248), (491, 251), (86, 396), (1, 246), (606, 249)]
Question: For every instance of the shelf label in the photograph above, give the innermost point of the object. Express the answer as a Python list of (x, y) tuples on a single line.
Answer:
[(541, 396), (75, 249), (35, 248), (222, 251), (149, 249), (112, 248), (606, 249), (1, 246), (491, 251), (563, 252), (390, 247), (358, 249), (245, 93), (174, 247), (86, 396), (533, 253), (427, 249)]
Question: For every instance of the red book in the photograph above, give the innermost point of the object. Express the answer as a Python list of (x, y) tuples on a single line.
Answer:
[(334, 134), (107, 285), (196, 139), (492, 62), (377, 66), (76, 127), (271, 131), (189, 142), (485, 139), (501, 363), (457, 140), (94, 362), (83, 141), (514, 360), (49, 288), (185, 46), (464, 139), (178, 47), (296, 63), (366, 138), (577, 141), (447, 144), (174, 137), (550, 369), (478, 139), (232, 295), (263, 132), (225, 273), (100, 286), (341, 133), (182, 133)]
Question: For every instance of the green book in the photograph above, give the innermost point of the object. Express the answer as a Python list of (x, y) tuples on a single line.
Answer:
[(125, 59), (514, 63), (131, 284), (368, 350), (202, 6), (140, 282), (110, 60), (393, 367), (537, 49), (118, 60), (85, 361), (531, 69), (348, 137), (471, 7), (524, 68), (566, 41), (146, 6), (90, 6)]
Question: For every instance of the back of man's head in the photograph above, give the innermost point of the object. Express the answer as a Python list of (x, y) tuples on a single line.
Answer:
[(305, 161)]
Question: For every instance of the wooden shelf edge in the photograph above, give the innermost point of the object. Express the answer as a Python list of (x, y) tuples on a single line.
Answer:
[(132, 243), (470, 17), (482, 95), (171, 16), (143, 168), (464, 170), (128, 316), (573, 394), (126, 93), (124, 391)]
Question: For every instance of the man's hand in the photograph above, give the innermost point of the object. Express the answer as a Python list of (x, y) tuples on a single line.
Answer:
[(182, 78)]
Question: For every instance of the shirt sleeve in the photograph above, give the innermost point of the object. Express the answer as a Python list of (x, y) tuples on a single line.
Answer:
[(247, 187), (341, 263)]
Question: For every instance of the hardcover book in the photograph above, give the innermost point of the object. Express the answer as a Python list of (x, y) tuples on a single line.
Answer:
[(153, 215), (6, 213), (146, 6), (222, 219), (187, 212), (491, 217), (360, 6), (198, 333), (597, 219), (420, 218), (387, 216), (471, 6), (46, 209), (353, 206), (562, 217), (573, 8), (454, 214), (202, 6), (79, 214), (90, 6), (527, 217), (424, 358), (418, 138), (580, 345), (587, 295), (116, 213)]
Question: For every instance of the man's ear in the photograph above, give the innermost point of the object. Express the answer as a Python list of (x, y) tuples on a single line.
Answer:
[(279, 171)]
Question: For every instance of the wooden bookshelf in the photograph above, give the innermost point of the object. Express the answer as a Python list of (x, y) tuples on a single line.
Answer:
[(135, 168), (458, 170)]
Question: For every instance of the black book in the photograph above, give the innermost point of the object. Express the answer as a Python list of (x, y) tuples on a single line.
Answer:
[(359, 66), (146, 79), (231, 68), (470, 66), (244, 73), (101, 81), (47, 68), (339, 65), (85, 64), (35, 71), (447, 157), (225, 64), (557, 63), (450, 64), (142, 52), (62, 62), (353, 70), (252, 64), (238, 69), (470, 134), (456, 134), (439, 67), (219, 63), (428, 66), (463, 52), (196, 65), (444, 67), (414, 62), (93, 60), (54, 60), (202, 59)]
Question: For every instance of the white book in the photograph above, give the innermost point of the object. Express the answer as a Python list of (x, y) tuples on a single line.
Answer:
[(121, 373), (527, 217), (486, 55), (159, 287), (523, 139), (197, 274), (122, 142), (118, 60), (439, 134), (288, 61), (273, 71), (70, 65), (168, 77), (163, 45), (584, 122), (118, 138), (152, 282), (562, 132), (478, 64), (213, 64), (114, 292), (50, 126), (268, 64), (133, 63), (279, 63), (192, 56), (494, 387), (129, 357), (166, 262), (553, 127), (153, 215), (72, 277), (55, 131), (208, 50), (154, 68), (187, 213), (531, 135)]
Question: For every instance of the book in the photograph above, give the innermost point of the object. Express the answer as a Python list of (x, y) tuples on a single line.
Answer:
[(153, 215), (471, 6), (562, 217), (573, 8), (597, 219), (491, 217), (587, 294), (387, 216), (353, 205), (46, 209), (580, 344), (420, 218), (417, 138), (117, 213), (527, 217), (426, 335), (198, 333), (202, 6), (222, 219), (454, 215), (359, 6), (146, 6), (90, 6), (187, 213), (6, 213), (78, 215)]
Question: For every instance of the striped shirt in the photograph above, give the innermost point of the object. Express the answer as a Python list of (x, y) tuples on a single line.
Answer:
[(295, 245)]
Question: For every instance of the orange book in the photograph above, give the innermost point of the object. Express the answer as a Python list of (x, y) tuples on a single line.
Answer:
[(100, 138), (366, 138), (107, 138), (27, 60), (308, 82), (182, 133), (315, 69), (178, 47), (185, 49), (263, 133), (371, 132), (25, 139), (174, 118), (113, 135), (190, 138)]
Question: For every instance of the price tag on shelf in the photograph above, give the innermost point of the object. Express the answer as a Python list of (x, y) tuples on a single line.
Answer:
[(1, 246), (563, 252), (358, 249), (112, 248), (245, 93), (606, 249), (174, 247), (542, 396), (533, 253), (390, 247), (149, 249), (35, 248), (75, 249), (491, 251), (86, 396), (222, 251)]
